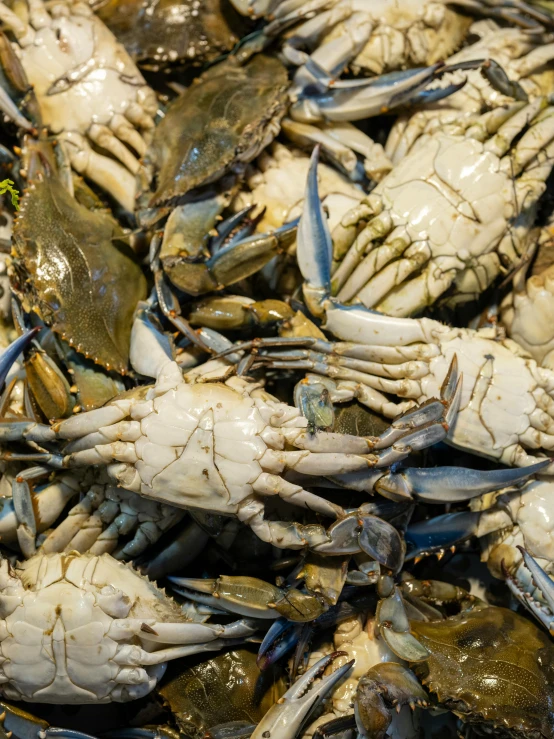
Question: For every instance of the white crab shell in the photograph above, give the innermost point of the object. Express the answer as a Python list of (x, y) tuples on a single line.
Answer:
[(201, 445), (59, 640)]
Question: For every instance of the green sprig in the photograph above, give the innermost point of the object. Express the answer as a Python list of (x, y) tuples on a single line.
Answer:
[(7, 186)]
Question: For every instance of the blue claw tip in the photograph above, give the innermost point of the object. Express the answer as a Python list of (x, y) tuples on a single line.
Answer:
[(280, 639), (9, 355)]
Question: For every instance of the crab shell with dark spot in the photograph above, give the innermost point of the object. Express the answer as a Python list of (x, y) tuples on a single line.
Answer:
[(71, 267), (225, 117), (157, 33), (492, 667)]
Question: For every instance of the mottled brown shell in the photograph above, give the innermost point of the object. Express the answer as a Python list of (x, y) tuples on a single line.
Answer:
[(73, 269), (491, 666), (221, 117), (161, 32)]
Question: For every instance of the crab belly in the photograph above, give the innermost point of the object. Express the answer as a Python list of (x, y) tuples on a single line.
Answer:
[(450, 200), (533, 510), (494, 410), (108, 88), (201, 448), (55, 649), (415, 32)]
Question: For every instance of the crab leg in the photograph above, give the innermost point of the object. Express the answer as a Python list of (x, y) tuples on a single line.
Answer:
[(136, 657), (543, 613), (355, 100), (330, 59), (11, 353), (105, 172), (33, 511), (179, 633), (341, 154), (286, 718)]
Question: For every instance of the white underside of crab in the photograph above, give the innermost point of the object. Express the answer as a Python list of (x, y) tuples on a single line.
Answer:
[(81, 629), (356, 637), (499, 417), (523, 517), (527, 314), (87, 87), (212, 445), (276, 183), (103, 515), (374, 37), (525, 57), (455, 211), (411, 33)]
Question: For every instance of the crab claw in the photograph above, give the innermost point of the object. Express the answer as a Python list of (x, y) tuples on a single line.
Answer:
[(451, 484), (315, 246), (12, 352), (440, 533), (280, 639), (394, 627), (286, 718), (251, 597), (283, 636), (361, 531), (543, 613), (385, 686), (352, 100)]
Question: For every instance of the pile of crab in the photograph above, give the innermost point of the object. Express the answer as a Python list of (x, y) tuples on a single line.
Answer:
[(276, 328)]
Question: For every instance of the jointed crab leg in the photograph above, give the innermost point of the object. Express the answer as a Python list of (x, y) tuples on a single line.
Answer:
[(10, 355), (544, 612), (357, 99)]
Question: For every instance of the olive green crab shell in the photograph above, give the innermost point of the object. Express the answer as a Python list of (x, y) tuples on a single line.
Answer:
[(72, 267), (226, 116)]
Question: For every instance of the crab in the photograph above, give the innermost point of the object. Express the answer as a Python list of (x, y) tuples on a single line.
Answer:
[(74, 270), (432, 225), (170, 442), (203, 136), (89, 91), (383, 38), (526, 57), (126, 628), (378, 355), (357, 638), (172, 33), (194, 692), (213, 129), (388, 37), (477, 662)]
